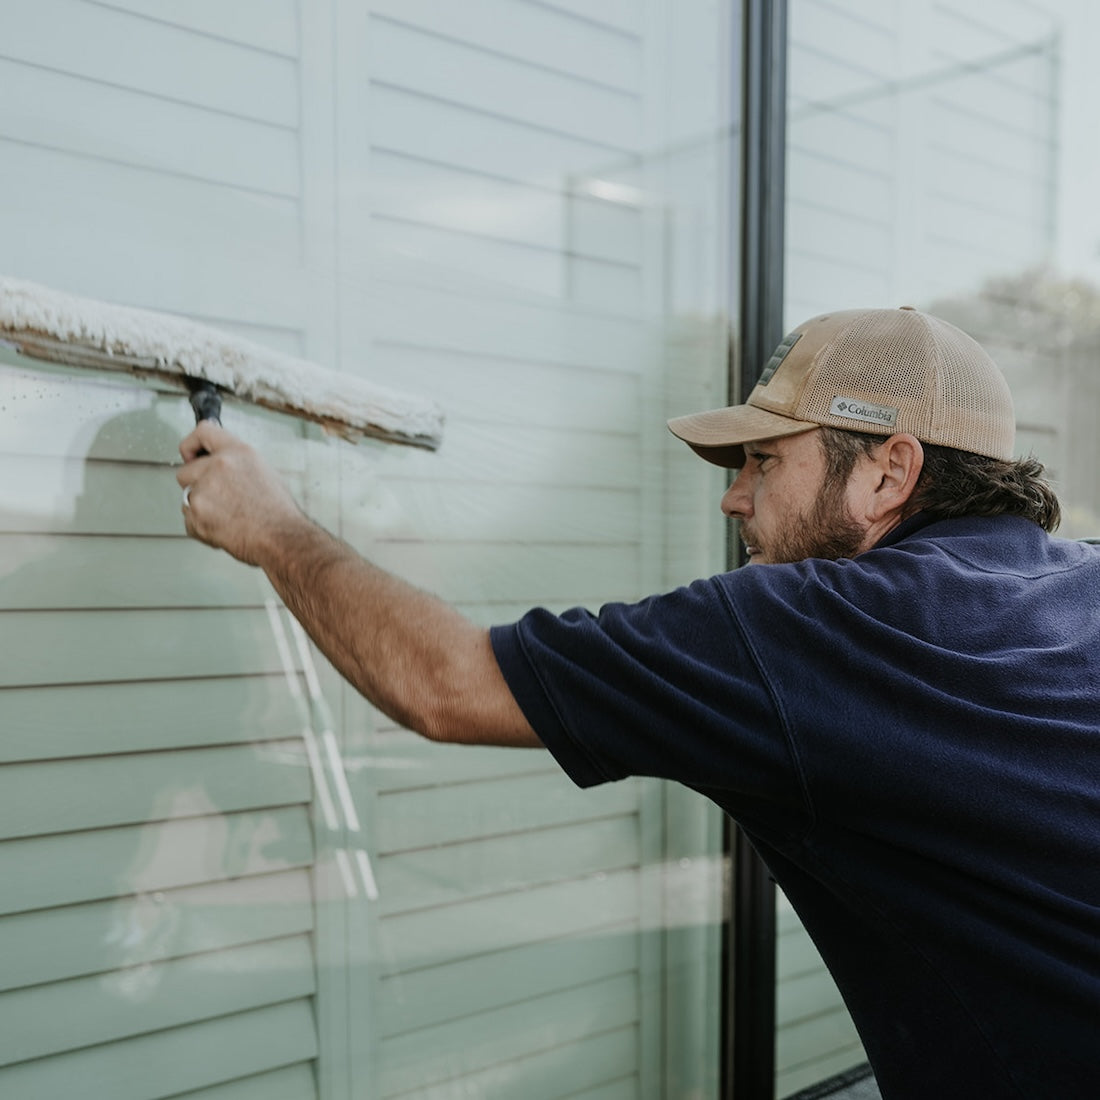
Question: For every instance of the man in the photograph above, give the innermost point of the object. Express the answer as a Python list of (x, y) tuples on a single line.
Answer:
[(901, 707)]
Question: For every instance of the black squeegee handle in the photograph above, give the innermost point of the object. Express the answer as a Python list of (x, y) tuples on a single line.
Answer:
[(205, 400)]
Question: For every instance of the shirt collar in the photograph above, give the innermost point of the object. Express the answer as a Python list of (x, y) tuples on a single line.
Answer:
[(904, 529)]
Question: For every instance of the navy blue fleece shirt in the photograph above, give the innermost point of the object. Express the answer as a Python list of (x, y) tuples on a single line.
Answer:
[(912, 740)]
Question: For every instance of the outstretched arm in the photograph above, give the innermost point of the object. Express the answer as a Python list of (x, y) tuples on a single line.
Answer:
[(409, 653)]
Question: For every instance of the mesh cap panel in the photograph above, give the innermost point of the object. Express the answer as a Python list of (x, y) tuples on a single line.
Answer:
[(976, 404), (883, 359)]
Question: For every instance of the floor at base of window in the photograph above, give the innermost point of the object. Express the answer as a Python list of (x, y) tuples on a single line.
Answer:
[(853, 1084)]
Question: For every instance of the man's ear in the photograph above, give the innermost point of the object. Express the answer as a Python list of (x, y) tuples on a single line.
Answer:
[(896, 464)]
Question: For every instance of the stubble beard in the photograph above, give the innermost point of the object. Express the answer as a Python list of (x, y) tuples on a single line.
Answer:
[(828, 530)]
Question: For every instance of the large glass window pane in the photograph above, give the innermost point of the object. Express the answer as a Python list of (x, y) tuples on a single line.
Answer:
[(943, 155), (224, 874)]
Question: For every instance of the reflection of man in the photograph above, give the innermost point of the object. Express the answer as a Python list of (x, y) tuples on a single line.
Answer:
[(902, 709)]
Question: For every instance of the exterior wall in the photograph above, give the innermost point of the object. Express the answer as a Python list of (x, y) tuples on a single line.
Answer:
[(225, 875)]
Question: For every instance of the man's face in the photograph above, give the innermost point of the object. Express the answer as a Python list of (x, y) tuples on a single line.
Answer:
[(787, 510)]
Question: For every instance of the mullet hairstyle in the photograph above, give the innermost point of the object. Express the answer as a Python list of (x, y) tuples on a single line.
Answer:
[(953, 483)]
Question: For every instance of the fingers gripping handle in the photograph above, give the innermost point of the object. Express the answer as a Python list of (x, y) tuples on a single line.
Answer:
[(205, 400)]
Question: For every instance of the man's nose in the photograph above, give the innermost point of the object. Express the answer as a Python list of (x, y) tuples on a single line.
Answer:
[(737, 501)]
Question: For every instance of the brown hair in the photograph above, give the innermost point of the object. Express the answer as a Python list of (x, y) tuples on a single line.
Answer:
[(956, 483)]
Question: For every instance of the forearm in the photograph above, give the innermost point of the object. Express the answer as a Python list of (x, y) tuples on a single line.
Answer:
[(412, 655)]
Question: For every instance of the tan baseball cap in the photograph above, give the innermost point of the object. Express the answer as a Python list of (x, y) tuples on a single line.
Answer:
[(867, 370)]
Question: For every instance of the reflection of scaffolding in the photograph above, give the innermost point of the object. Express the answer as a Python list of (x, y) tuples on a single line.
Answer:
[(1047, 47), (899, 185)]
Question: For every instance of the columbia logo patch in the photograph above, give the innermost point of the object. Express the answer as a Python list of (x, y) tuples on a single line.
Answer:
[(851, 408)]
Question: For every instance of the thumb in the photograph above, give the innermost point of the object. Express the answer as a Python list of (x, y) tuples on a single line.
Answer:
[(207, 438)]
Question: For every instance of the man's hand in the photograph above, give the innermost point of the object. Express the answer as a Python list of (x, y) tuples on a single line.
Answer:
[(233, 499)]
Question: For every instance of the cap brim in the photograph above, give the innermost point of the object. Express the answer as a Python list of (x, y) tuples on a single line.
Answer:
[(720, 435)]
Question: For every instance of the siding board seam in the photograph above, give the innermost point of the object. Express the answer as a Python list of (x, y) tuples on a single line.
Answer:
[(169, 173), (582, 369), (845, 213), (835, 260), (290, 868), (519, 1059), (994, 123), (955, 14), (1003, 168), (998, 79), (489, 51), (572, 988), (980, 205), (630, 927), (861, 167), (183, 28), (885, 29), (490, 895), (568, 13), (512, 120), (534, 773), (297, 998), (158, 960), (573, 252), (525, 299), (145, 93), (384, 854), (512, 892)]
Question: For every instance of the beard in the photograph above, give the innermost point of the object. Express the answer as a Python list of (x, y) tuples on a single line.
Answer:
[(828, 531)]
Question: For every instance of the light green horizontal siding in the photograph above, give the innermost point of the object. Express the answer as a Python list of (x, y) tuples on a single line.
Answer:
[(429, 937), (59, 796), (606, 1061), (435, 875), (124, 571), (294, 1083), (160, 855), (56, 721), (96, 937), (81, 1012), (447, 991), (164, 1063), (506, 1035), (492, 807), (161, 819), (63, 647)]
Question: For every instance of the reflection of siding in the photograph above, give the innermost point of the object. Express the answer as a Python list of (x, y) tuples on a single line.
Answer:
[(991, 147), (406, 190), (512, 960), (921, 144), (815, 1035), (155, 846), (500, 871), (841, 170), (158, 853), (152, 134)]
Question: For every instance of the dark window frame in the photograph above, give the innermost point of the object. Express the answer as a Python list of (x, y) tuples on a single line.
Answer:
[(749, 932)]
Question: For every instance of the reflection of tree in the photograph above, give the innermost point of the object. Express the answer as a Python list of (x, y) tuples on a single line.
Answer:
[(1044, 332)]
